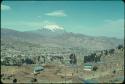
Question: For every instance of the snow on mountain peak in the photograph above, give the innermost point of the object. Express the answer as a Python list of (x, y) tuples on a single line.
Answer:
[(53, 27)]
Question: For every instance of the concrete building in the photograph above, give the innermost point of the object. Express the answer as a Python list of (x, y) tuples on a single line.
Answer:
[(88, 67), (37, 69)]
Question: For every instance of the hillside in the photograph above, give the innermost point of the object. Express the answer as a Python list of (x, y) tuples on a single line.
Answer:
[(61, 38), (111, 64), (63, 56)]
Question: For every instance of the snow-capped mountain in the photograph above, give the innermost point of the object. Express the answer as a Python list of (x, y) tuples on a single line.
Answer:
[(53, 27), (59, 37), (49, 31)]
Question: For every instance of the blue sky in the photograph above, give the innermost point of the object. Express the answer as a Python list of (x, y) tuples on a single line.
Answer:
[(94, 18)]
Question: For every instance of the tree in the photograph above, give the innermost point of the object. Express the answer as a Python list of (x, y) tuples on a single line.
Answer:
[(18, 62), (95, 68), (33, 80), (28, 61), (120, 46), (90, 58), (111, 51), (73, 59), (14, 80), (105, 52), (38, 58), (7, 60), (114, 71)]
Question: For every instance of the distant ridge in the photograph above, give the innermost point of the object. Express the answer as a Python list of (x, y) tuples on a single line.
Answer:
[(61, 38)]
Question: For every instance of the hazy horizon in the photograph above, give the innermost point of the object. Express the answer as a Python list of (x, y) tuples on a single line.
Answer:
[(93, 18)]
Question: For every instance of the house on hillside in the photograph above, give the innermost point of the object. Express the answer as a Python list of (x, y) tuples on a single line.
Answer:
[(88, 67), (90, 81), (37, 69)]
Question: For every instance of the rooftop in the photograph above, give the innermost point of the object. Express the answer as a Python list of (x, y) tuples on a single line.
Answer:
[(38, 68)]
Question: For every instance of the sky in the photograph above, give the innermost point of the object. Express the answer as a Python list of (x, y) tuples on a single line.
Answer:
[(93, 18)]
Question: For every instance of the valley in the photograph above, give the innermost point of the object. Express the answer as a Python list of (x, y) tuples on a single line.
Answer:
[(66, 61)]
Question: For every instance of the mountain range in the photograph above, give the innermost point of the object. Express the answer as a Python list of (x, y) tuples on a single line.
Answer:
[(60, 38)]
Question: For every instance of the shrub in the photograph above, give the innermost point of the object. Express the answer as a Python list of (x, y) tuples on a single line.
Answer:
[(120, 46), (95, 68), (14, 80), (33, 80)]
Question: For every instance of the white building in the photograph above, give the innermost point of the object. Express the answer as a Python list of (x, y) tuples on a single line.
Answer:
[(38, 69), (88, 67)]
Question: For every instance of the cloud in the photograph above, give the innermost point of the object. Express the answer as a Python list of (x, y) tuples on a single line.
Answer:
[(39, 16), (109, 28), (58, 13), (112, 28), (5, 7), (114, 23)]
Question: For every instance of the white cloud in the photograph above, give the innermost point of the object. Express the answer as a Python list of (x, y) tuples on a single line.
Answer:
[(112, 28), (40, 17), (5, 7), (58, 13), (109, 28), (114, 23)]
